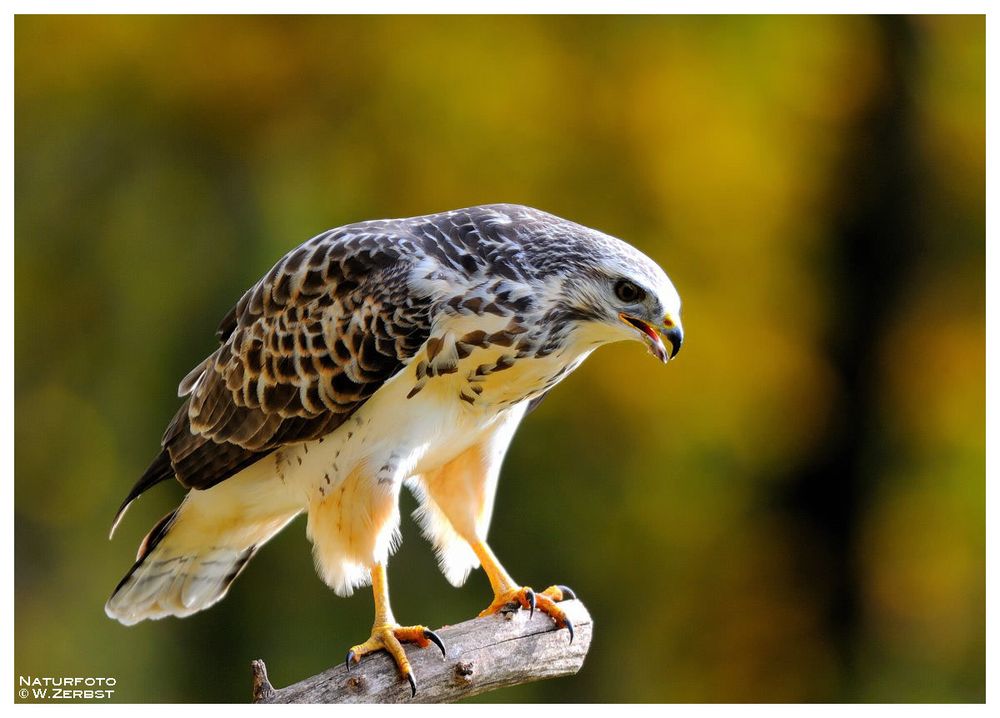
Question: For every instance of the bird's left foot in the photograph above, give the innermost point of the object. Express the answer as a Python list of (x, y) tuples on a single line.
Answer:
[(390, 637), (546, 601)]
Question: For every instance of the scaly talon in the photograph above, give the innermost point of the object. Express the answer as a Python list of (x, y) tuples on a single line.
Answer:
[(544, 602), (390, 637), (436, 640), (560, 593), (504, 592), (569, 627)]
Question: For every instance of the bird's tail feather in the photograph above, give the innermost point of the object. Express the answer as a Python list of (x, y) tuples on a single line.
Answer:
[(192, 555), (160, 470)]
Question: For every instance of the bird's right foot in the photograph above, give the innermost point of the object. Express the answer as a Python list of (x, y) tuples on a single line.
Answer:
[(390, 637)]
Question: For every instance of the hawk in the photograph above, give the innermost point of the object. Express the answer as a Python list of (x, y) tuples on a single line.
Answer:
[(375, 355)]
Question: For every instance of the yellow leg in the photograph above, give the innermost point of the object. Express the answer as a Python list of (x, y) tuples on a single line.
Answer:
[(506, 591), (500, 580), (388, 635)]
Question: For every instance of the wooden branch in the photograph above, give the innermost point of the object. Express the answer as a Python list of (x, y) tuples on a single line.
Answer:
[(484, 654)]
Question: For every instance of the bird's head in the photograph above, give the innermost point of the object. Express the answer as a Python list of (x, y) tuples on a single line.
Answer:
[(646, 314), (619, 293), (596, 288)]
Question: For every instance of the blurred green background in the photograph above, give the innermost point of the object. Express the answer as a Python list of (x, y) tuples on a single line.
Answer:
[(792, 511)]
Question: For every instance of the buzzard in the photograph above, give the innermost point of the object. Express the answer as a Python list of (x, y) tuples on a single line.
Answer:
[(375, 355)]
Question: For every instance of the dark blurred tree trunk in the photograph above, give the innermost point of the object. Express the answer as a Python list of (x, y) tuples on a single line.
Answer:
[(874, 249)]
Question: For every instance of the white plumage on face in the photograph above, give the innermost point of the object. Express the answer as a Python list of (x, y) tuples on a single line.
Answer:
[(374, 355), (617, 293)]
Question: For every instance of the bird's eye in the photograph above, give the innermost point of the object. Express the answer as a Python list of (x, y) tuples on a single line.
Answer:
[(628, 292)]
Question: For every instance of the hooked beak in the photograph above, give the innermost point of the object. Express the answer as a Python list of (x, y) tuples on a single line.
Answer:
[(671, 331)]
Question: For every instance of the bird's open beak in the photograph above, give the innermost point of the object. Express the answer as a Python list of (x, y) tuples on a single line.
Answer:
[(670, 329)]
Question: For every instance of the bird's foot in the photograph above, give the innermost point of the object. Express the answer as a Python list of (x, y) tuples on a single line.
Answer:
[(390, 637), (546, 601)]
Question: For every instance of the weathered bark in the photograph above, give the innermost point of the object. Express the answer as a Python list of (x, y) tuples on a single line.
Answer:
[(483, 654)]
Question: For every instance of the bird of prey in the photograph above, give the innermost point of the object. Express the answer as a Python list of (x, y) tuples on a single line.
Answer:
[(375, 355)]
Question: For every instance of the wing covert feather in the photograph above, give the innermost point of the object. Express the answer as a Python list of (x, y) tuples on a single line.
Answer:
[(301, 351)]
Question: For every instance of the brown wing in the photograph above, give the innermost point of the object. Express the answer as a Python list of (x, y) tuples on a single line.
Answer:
[(301, 351)]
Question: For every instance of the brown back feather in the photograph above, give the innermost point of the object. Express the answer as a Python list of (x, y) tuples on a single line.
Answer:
[(301, 351)]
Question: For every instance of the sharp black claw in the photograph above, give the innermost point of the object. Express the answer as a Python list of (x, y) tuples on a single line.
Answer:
[(569, 627), (349, 660), (413, 684), (530, 595), (436, 640), (567, 592)]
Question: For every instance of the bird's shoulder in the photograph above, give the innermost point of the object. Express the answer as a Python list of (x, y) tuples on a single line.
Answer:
[(458, 246), (301, 351)]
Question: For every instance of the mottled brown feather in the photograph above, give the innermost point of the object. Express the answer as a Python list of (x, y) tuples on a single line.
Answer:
[(274, 381)]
